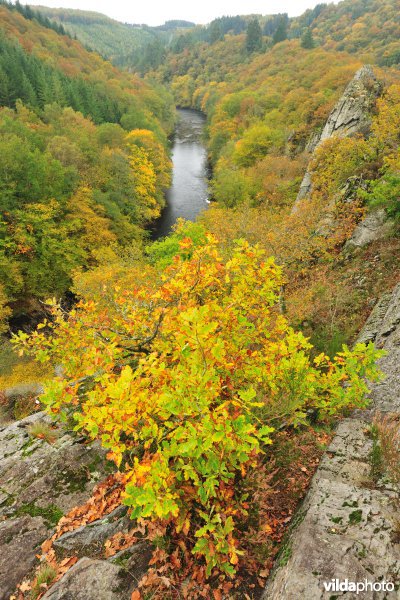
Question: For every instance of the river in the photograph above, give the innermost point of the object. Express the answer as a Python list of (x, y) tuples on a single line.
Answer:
[(188, 194)]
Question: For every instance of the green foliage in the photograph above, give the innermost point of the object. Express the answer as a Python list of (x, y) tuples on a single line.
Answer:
[(231, 187), (161, 253), (35, 83), (71, 191), (384, 193), (256, 143), (280, 34)]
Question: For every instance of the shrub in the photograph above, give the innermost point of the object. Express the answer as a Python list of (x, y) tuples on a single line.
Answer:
[(184, 377)]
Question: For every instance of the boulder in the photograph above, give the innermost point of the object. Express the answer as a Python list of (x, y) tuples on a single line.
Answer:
[(20, 540), (103, 579), (92, 580), (88, 540)]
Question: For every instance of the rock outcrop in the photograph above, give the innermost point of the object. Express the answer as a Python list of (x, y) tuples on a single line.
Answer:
[(350, 116), (374, 226), (39, 482), (347, 525), (91, 579)]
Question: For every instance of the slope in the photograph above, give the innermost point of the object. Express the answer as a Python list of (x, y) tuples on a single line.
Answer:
[(84, 159)]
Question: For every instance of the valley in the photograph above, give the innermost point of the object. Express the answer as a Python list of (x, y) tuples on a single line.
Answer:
[(199, 303)]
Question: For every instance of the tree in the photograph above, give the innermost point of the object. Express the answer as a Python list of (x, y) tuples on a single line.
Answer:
[(253, 36), (215, 32), (280, 34), (307, 40)]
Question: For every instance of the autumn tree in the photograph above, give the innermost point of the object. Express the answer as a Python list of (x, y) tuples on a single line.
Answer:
[(183, 377)]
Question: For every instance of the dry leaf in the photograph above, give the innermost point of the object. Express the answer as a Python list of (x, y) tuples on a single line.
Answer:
[(264, 573), (136, 595), (46, 546), (25, 586)]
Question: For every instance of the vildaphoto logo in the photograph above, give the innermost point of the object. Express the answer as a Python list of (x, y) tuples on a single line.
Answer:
[(345, 585)]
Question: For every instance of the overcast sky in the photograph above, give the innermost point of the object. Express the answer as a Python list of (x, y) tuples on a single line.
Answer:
[(156, 12)]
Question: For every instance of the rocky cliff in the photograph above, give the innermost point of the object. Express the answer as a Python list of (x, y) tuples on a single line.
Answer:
[(350, 116)]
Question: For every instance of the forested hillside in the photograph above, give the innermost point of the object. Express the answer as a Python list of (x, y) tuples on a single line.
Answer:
[(133, 46), (84, 158)]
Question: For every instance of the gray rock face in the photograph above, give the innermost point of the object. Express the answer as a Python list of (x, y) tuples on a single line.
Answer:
[(103, 579), (20, 540), (350, 116), (346, 525), (373, 227), (38, 483), (33, 471)]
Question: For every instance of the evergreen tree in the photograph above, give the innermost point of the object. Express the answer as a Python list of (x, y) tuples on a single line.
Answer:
[(253, 36), (215, 32), (307, 40), (280, 34)]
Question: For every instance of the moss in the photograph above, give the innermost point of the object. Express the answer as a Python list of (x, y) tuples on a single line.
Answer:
[(122, 560), (95, 463), (51, 513), (353, 504), (9, 501), (355, 517), (27, 449), (76, 480), (336, 520), (284, 555)]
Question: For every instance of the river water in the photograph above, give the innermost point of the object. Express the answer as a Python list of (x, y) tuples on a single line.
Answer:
[(188, 194)]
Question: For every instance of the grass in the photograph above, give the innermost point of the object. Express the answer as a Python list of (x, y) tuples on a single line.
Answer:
[(44, 578), (387, 434), (43, 431)]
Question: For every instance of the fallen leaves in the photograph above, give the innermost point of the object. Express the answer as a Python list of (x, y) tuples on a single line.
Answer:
[(118, 542)]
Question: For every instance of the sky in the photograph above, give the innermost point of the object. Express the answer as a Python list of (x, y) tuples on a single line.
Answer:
[(156, 12)]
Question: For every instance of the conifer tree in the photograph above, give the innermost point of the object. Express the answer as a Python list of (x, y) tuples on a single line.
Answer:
[(280, 34), (253, 36), (307, 40)]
